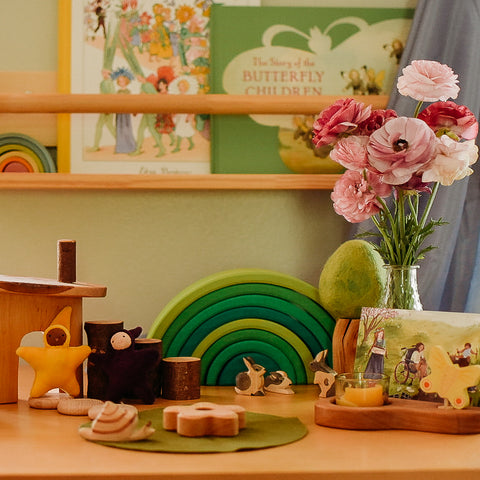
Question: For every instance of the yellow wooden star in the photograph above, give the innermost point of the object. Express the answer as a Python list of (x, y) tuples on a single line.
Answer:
[(56, 363)]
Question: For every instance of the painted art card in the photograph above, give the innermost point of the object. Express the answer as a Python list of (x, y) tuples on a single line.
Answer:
[(139, 47), (398, 343)]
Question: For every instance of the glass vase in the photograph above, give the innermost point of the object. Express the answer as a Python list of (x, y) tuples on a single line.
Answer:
[(401, 288)]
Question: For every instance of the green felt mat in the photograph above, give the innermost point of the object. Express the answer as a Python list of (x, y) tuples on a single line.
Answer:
[(261, 431)]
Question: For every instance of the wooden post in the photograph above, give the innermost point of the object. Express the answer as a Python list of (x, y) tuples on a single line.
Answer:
[(98, 338), (143, 343), (181, 378), (66, 261)]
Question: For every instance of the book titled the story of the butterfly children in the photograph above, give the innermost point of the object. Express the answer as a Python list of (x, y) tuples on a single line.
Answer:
[(398, 343), (345, 49)]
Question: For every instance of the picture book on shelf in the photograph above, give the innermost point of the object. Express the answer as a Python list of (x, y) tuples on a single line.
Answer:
[(132, 47), (277, 50), (398, 343)]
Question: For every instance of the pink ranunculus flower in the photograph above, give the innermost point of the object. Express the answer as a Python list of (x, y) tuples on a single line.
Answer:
[(351, 152), (375, 180), (401, 148), (452, 161), (449, 117), (353, 197), (376, 120), (428, 81), (340, 119)]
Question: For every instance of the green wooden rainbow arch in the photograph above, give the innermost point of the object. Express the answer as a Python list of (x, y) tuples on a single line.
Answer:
[(273, 317)]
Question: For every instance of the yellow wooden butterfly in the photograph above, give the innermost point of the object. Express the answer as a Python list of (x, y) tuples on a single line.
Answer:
[(449, 380)]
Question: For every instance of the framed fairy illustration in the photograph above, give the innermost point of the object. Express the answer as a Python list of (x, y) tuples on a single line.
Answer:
[(398, 343), (131, 47)]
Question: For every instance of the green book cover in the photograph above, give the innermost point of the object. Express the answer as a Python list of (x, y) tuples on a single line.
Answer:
[(295, 51)]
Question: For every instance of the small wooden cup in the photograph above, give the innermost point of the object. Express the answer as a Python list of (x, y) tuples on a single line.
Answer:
[(181, 378)]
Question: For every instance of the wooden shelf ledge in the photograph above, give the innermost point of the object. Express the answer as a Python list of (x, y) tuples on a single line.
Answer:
[(80, 181), (208, 104)]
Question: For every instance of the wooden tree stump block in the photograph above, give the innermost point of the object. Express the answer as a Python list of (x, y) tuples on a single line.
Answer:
[(344, 344), (181, 378), (155, 343), (98, 338)]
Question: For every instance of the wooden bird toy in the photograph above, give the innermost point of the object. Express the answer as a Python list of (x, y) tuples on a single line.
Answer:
[(28, 304), (449, 380), (56, 363), (252, 381), (324, 375)]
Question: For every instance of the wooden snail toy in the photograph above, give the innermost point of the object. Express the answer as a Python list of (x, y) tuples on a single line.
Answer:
[(116, 423)]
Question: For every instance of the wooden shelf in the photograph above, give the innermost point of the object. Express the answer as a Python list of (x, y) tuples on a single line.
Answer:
[(214, 104), (56, 103), (79, 181)]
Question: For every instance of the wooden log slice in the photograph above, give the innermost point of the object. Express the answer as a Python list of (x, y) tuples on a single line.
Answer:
[(181, 378)]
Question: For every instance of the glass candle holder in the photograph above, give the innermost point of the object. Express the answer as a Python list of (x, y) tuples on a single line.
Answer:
[(361, 389)]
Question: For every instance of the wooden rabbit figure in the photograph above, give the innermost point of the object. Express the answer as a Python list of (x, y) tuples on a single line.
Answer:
[(278, 382), (324, 375), (252, 381)]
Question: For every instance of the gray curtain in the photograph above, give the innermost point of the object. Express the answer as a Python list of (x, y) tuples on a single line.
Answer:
[(449, 277)]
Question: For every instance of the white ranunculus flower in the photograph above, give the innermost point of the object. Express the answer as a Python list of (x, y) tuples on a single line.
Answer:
[(452, 161)]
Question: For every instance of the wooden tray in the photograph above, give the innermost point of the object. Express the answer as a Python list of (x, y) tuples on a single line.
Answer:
[(398, 414)]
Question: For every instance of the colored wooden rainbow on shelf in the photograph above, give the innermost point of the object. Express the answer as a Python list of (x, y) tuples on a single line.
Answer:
[(272, 317), (23, 154)]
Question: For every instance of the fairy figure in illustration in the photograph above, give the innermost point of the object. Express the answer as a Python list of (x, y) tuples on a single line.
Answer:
[(101, 15), (160, 44), (147, 122), (354, 81), (107, 86), (396, 49), (164, 122), (184, 122), (374, 80), (125, 142)]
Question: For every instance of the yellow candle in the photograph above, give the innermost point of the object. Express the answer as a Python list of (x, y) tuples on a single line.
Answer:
[(362, 397)]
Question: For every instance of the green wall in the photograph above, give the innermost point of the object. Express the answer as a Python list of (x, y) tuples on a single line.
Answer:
[(146, 247)]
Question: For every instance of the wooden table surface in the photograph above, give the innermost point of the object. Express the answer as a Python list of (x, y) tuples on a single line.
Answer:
[(38, 444)]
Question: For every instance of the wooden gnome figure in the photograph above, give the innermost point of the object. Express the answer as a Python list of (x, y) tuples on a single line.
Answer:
[(128, 370)]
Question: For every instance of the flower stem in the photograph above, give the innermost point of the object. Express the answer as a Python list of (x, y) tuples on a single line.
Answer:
[(417, 109)]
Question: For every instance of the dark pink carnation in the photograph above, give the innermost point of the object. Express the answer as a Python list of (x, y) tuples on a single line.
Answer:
[(376, 120), (401, 148), (340, 119), (450, 117), (353, 197)]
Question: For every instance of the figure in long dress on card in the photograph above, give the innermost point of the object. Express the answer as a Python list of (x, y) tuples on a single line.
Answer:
[(125, 141), (378, 353)]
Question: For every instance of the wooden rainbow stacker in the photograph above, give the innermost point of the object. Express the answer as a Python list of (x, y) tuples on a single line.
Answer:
[(30, 304)]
